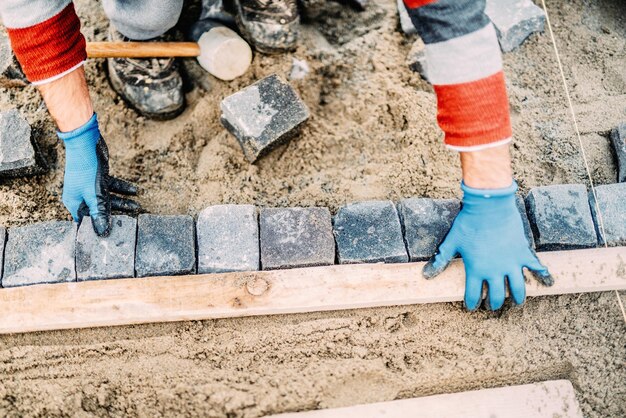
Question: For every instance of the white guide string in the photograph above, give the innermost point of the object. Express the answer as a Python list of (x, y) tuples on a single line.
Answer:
[(580, 142)]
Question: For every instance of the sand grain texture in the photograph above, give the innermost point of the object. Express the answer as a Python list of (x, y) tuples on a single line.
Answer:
[(372, 135)]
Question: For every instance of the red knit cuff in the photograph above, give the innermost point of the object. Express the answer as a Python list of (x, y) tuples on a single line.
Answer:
[(474, 113), (50, 48), (414, 4)]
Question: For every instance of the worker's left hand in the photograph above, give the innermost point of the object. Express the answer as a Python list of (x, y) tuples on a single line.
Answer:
[(489, 235)]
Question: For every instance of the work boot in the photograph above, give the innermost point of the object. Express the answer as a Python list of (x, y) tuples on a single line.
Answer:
[(152, 86), (270, 25)]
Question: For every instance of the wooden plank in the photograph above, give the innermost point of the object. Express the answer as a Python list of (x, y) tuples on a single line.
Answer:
[(166, 299), (554, 398)]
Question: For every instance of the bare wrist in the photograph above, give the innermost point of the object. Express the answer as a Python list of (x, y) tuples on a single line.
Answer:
[(68, 100), (487, 169)]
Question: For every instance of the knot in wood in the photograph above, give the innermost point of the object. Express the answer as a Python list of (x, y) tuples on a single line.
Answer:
[(256, 286)]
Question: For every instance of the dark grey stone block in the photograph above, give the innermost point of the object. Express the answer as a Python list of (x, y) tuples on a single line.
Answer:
[(11, 74), (515, 20), (228, 239), (112, 257), (17, 155), (612, 204), (369, 232), (425, 223), (166, 245), (618, 139), (560, 217), (3, 237), (406, 24), (296, 237), (263, 115), (40, 253), (6, 55), (521, 206)]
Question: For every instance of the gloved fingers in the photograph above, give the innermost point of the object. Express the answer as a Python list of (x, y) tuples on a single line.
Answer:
[(435, 266), (100, 214), (539, 271), (517, 287), (440, 261), (543, 277), (122, 187), (83, 211), (72, 205), (101, 224), (121, 204), (473, 291), (496, 293)]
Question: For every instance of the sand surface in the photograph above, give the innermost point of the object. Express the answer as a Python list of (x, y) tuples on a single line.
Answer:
[(372, 135)]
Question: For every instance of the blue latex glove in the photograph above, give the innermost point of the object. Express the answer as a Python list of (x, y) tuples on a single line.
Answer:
[(87, 181), (81, 168), (489, 235)]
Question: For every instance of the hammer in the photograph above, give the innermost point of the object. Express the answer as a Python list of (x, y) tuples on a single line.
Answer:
[(219, 50)]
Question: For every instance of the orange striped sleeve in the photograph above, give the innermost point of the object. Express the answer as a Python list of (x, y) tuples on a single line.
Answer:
[(413, 4), (474, 113), (50, 48)]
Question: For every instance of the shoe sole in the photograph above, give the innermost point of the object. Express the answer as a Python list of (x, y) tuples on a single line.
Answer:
[(117, 86), (259, 46)]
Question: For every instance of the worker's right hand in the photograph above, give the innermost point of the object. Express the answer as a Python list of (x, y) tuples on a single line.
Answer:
[(87, 182), (489, 235)]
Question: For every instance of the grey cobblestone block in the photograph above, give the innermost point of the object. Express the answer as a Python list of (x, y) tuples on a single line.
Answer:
[(515, 20), (17, 155), (40, 253), (369, 232), (521, 206), (263, 115), (6, 55), (112, 257), (612, 204), (425, 223), (296, 237), (560, 217), (10, 71), (406, 24), (618, 139), (166, 245), (3, 237), (228, 239)]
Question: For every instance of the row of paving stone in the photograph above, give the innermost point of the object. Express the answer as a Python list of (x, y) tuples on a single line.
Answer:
[(229, 238)]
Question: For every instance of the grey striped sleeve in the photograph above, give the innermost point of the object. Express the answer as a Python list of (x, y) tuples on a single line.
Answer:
[(447, 19)]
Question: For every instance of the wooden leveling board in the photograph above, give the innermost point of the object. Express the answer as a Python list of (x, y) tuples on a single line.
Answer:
[(554, 398), (180, 298)]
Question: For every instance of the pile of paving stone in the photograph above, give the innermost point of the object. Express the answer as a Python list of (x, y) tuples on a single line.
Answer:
[(228, 238)]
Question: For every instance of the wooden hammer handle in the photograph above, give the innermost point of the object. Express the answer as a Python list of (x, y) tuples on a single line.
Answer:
[(142, 49)]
